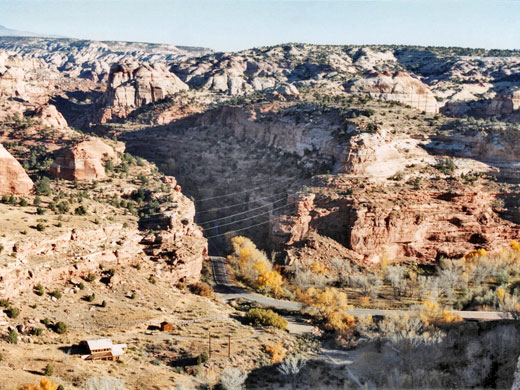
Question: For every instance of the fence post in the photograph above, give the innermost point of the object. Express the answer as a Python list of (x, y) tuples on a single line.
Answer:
[(209, 339), (229, 347)]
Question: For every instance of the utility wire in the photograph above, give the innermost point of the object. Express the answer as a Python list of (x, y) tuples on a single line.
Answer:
[(241, 204), (249, 190), (241, 213), (253, 216), (237, 230)]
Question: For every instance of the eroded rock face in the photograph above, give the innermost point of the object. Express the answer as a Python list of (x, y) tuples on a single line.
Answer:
[(132, 85), (420, 225), (399, 87), (50, 116), (84, 161), (13, 178)]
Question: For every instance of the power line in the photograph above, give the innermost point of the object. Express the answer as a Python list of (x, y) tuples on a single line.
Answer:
[(243, 212), (249, 190), (238, 230), (240, 204), (253, 216)]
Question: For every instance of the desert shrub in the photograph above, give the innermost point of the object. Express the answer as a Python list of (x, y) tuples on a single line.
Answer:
[(37, 201), (446, 166), (90, 298), (233, 378), (80, 210), (370, 284), (39, 290), (81, 285), (43, 186), (63, 207), (48, 370), (12, 337), (265, 317), (202, 358), (23, 202), (276, 352), (90, 277), (12, 312), (45, 384), (395, 274), (202, 289), (152, 279), (40, 227), (60, 327), (56, 294), (36, 331), (104, 304)]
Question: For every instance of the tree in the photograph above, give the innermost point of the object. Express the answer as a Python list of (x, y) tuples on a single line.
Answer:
[(290, 368), (233, 378), (43, 186)]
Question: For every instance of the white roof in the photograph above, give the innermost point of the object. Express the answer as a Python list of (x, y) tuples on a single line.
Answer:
[(118, 349), (96, 344)]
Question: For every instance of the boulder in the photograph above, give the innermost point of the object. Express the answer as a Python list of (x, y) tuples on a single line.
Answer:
[(50, 116), (84, 161), (13, 178), (399, 87)]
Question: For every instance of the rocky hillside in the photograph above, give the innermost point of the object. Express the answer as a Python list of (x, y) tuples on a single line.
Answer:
[(92, 59)]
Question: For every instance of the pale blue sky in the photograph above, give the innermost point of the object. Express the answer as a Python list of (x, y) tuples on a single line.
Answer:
[(240, 24)]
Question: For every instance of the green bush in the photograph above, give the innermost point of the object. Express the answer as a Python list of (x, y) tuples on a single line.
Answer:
[(39, 290), (12, 312), (37, 201), (265, 318), (48, 370), (40, 227), (60, 327), (90, 277), (56, 294), (36, 331), (43, 186), (81, 210), (23, 202), (202, 358), (12, 337), (90, 298)]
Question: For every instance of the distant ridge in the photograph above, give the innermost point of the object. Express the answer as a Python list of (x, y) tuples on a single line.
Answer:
[(7, 32)]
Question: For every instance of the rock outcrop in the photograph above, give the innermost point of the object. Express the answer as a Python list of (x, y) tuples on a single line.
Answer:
[(50, 116), (420, 225), (132, 85), (398, 87), (13, 178), (85, 161)]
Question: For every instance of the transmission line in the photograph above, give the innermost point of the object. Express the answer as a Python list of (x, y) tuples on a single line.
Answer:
[(240, 204), (253, 216), (243, 212)]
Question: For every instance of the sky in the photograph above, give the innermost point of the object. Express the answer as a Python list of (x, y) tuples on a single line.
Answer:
[(230, 25)]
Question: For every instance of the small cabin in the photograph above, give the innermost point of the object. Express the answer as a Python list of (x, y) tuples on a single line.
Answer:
[(166, 326), (103, 349)]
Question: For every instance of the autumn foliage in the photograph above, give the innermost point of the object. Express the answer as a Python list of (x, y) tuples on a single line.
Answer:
[(276, 351), (255, 267), (45, 384)]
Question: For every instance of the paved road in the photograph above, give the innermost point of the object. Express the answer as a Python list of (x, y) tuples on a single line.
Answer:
[(227, 292)]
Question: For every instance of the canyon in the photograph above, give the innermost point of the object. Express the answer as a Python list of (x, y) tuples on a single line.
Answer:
[(125, 166)]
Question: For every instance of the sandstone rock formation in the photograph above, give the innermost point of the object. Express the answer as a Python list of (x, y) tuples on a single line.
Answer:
[(50, 116), (13, 178), (419, 225), (399, 87), (84, 161), (131, 85)]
